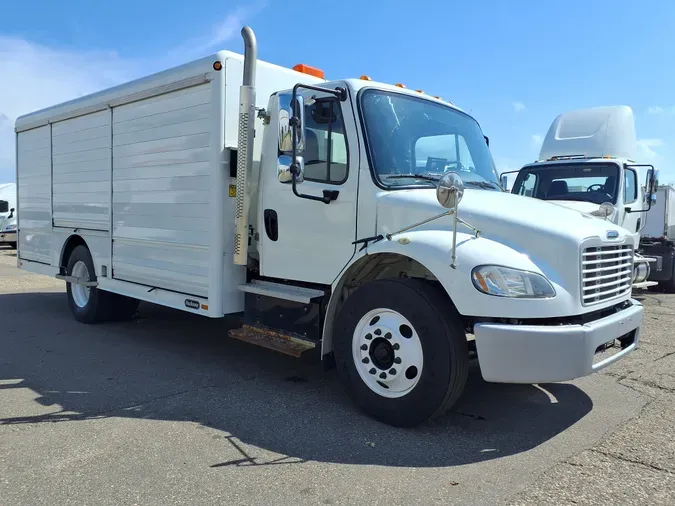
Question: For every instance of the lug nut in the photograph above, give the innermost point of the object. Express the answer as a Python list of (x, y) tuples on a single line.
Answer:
[(392, 371), (364, 347), (397, 360), (388, 335), (397, 346), (365, 360), (383, 375), (378, 332), (372, 371), (369, 336)]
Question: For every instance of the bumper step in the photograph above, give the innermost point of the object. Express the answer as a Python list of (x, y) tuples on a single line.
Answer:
[(272, 340)]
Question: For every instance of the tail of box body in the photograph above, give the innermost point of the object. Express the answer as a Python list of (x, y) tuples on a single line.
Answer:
[(141, 173)]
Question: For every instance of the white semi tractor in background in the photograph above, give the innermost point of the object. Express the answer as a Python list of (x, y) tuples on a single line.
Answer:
[(8, 215), (587, 162), (360, 219)]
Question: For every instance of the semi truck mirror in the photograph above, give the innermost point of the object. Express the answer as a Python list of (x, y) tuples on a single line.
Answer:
[(504, 180), (284, 169), (287, 116)]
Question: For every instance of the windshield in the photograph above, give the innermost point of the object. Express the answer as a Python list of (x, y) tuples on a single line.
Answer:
[(413, 141), (596, 183)]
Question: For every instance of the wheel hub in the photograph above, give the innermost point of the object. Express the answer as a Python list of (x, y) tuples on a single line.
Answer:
[(382, 353), (387, 353)]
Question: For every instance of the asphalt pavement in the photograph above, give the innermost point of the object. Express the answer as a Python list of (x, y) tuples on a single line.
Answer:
[(166, 409)]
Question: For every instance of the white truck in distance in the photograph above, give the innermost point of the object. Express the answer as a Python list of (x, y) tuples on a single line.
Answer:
[(230, 186), (586, 162), (8, 218)]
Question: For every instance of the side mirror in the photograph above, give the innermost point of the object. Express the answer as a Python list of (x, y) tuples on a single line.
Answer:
[(284, 169), (291, 112), (504, 180)]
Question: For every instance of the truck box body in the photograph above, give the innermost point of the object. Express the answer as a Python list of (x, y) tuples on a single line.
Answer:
[(660, 219), (142, 172)]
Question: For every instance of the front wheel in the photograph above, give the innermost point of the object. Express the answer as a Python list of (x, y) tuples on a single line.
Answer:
[(401, 351)]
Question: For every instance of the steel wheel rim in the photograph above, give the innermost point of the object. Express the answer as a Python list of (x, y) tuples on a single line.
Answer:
[(79, 292), (387, 353)]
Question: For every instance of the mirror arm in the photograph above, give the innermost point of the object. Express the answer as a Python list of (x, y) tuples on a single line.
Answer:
[(326, 199)]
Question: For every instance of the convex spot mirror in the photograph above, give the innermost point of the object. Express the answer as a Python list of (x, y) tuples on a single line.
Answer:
[(450, 190), (284, 169)]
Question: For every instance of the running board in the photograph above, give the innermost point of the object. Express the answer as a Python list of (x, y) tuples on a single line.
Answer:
[(280, 291), (272, 340)]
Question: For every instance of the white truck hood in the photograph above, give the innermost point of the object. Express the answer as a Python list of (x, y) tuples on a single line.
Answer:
[(551, 235)]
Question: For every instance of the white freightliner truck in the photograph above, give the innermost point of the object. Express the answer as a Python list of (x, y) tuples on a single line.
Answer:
[(587, 162), (361, 219)]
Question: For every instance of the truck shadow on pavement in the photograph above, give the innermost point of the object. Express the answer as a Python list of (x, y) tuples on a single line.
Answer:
[(171, 366)]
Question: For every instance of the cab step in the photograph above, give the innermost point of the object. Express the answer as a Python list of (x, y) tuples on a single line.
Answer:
[(273, 340), (282, 291)]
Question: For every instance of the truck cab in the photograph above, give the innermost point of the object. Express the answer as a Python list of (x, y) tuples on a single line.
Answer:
[(586, 163)]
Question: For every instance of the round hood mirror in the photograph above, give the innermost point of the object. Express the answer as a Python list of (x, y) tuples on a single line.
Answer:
[(450, 190)]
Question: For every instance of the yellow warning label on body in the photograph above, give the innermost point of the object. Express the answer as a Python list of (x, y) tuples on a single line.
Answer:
[(233, 190)]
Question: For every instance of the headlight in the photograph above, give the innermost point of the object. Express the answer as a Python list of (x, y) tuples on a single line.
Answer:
[(507, 282), (10, 227)]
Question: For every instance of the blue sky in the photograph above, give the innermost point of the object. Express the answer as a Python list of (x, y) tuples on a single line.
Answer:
[(513, 65)]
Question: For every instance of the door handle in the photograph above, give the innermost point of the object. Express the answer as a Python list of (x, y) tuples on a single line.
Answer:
[(330, 195)]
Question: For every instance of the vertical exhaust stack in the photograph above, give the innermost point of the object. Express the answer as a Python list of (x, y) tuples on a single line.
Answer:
[(245, 145)]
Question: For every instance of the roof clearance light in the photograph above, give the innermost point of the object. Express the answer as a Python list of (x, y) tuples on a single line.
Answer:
[(217, 65), (312, 71), (401, 85), (439, 98), (366, 78), (419, 91)]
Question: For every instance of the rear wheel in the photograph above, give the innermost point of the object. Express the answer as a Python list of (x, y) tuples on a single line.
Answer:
[(401, 351), (89, 304)]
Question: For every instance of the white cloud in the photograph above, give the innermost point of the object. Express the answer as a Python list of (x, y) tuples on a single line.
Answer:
[(647, 151), (655, 110), (537, 140), (221, 32), (518, 106), (35, 76)]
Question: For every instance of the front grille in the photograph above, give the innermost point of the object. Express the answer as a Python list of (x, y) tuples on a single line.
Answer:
[(606, 273)]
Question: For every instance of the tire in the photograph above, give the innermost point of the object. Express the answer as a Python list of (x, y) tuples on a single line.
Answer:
[(98, 305), (435, 334)]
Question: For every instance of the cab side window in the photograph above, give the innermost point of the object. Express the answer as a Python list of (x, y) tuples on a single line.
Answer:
[(527, 187), (325, 151), (629, 186)]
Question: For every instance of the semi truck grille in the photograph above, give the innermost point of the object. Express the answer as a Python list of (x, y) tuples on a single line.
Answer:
[(606, 273)]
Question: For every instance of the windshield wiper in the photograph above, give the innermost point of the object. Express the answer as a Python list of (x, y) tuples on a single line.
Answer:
[(482, 184), (425, 177)]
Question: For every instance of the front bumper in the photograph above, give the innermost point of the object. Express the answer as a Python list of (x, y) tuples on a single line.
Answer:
[(551, 353), (8, 236)]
